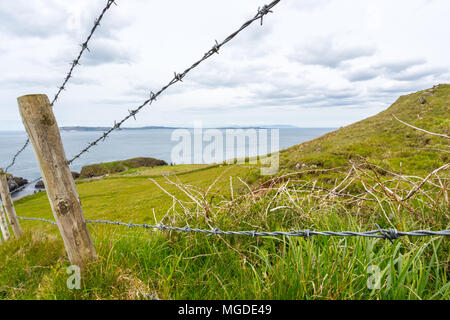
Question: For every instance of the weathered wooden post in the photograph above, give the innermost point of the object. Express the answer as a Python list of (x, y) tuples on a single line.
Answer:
[(4, 224), (8, 204), (42, 128)]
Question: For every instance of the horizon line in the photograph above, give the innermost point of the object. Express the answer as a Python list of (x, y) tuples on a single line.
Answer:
[(66, 128)]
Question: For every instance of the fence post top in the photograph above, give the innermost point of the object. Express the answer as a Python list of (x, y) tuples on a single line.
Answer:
[(2, 172), (36, 95)]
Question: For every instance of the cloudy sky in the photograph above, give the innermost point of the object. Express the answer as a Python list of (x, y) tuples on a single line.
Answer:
[(314, 63)]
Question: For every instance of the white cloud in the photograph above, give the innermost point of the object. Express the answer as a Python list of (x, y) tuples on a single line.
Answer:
[(328, 53), (312, 63)]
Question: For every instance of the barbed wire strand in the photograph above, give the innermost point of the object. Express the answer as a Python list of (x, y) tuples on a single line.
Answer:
[(178, 77), (262, 11), (37, 219), (73, 65), (389, 234), (84, 47), (16, 155)]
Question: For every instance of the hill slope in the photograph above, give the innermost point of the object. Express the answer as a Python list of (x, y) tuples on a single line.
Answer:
[(384, 140)]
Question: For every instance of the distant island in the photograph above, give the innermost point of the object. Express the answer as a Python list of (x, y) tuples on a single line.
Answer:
[(80, 128)]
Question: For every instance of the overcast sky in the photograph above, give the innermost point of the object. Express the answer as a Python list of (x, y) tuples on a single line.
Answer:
[(314, 63)]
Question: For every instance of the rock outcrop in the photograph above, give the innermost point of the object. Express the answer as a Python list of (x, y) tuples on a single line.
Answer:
[(101, 169), (15, 182), (40, 183)]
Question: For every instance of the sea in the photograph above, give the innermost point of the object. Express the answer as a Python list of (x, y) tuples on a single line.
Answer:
[(125, 144)]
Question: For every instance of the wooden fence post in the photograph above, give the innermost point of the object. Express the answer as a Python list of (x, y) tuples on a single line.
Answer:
[(9, 205), (4, 224), (42, 128)]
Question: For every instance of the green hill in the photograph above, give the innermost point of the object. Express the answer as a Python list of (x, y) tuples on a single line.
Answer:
[(383, 139), (374, 172)]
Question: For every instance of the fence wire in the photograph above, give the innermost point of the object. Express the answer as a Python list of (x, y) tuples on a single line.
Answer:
[(73, 65), (389, 234), (178, 77)]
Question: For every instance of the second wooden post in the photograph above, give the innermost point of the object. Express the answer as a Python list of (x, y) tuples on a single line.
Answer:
[(4, 224), (43, 131), (9, 205)]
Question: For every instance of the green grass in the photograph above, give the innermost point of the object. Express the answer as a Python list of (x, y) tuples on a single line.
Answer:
[(134, 264), (144, 264), (137, 264), (133, 197), (101, 169)]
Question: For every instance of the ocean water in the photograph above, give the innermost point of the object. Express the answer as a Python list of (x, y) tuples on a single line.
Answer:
[(126, 144)]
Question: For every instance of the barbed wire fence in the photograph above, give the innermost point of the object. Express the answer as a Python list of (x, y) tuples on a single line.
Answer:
[(389, 234), (178, 77), (73, 65)]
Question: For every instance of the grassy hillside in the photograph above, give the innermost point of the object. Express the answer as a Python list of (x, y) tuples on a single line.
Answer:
[(350, 179), (383, 140)]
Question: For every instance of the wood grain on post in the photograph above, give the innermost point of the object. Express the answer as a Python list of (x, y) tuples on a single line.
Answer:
[(42, 128), (4, 224), (8, 205)]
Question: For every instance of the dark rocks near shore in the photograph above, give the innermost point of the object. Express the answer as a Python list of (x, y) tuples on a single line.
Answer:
[(15, 182), (39, 185), (75, 175)]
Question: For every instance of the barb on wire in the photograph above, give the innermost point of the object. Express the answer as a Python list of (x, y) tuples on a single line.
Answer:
[(178, 77), (74, 63)]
